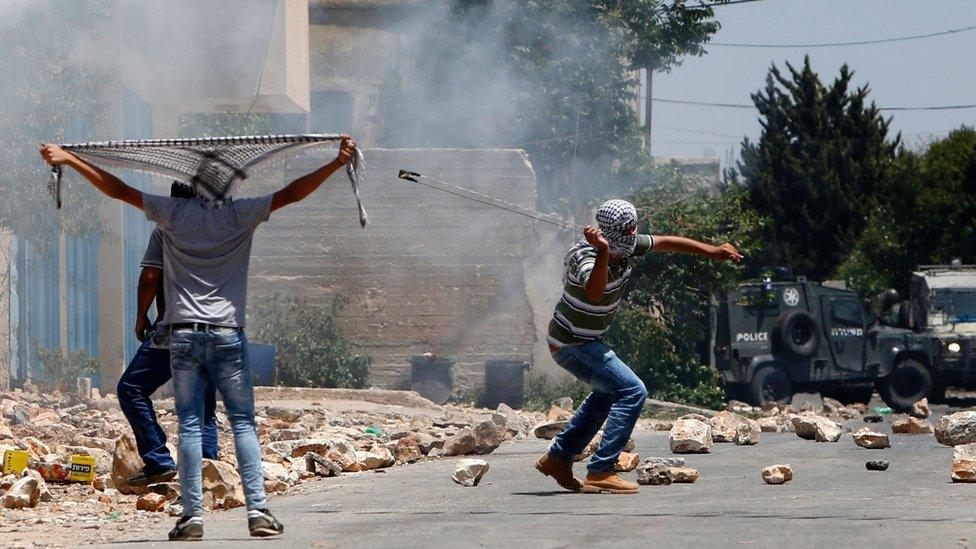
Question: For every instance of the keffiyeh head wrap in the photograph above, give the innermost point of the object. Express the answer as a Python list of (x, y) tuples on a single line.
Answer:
[(616, 217)]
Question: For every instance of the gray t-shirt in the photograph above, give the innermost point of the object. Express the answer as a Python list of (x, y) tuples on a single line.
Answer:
[(206, 251), (154, 251)]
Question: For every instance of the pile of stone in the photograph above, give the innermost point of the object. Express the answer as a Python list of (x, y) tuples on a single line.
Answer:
[(658, 471)]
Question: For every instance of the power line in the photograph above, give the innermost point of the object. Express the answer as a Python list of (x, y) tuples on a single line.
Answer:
[(838, 44), (745, 106), (719, 4)]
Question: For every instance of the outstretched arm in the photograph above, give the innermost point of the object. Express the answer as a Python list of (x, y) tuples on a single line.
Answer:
[(112, 186), (303, 186), (682, 245)]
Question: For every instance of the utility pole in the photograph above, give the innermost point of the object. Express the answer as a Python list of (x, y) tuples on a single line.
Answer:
[(648, 100)]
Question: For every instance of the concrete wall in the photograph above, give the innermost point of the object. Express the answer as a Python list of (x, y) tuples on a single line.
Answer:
[(431, 273)]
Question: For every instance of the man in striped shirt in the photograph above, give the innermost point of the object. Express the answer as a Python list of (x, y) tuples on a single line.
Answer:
[(597, 270)]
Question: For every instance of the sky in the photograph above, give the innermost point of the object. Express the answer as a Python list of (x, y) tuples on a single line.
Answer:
[(929, 71)]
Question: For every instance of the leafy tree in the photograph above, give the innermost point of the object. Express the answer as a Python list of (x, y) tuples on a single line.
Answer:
[(662, 329), (555, 78), (63, 370), (311, 350), (927, 217), (817, 169)]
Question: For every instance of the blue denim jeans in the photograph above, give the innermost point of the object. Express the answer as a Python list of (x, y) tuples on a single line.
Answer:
[(617, 399), (220, 356), (148, 371)]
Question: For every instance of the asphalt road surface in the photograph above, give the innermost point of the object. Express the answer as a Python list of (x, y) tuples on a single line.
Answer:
[(832, 502)]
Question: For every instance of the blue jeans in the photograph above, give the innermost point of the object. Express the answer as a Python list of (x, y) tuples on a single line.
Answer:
[(147, 372), (617, 398), (218, 356)]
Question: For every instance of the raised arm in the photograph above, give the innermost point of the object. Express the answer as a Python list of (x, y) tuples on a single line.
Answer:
[(298, 189), (682, 245), (148, 289), (112, 186), (597, 282)]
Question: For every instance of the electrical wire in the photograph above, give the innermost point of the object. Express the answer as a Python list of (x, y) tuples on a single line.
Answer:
[(841, 44), (745, 106)]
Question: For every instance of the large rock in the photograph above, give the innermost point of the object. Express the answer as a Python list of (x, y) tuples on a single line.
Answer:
[(921, 409), (626, 462), (747, 433), (406, 450), (482, 439), (911, 426), (549, 429), (683, 474), (126, 463), (151, 502), (725, 426), (775, 424), (777, 474), (691, 436), (24, 493), (655, 475), (866, 438), (955, 429), (964, 451), (469, 472), (223, 485), (377, 458), (963, 470), (817, 428), (43, 491)]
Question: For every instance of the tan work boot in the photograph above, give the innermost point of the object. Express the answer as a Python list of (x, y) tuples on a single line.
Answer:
[(560, 471), (607, 483)]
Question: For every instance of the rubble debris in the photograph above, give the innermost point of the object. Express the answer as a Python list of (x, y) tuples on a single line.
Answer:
[(955, 429), (469, 472), (818, 428), (876, 465), (549, 429), (963, 470), (866, 438), (222, 487), (378, 457), (777, 474), (314, 463), (725, 426), (626, 462), (482, 439), (126, 463), (656, 475), (24, 493), (151, 502), (691, 434), (911, 426), (775, 424), (663, 462), (557, 413), (683, 474), (921, 409), (43, 490), (747, 433)]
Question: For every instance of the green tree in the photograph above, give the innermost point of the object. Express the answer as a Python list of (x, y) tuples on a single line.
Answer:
[(817, 169), (662, 329), (311, 349), (927, 217), (555, 78)]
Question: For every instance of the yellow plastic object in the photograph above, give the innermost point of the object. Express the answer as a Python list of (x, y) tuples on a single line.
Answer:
[(79, 469)]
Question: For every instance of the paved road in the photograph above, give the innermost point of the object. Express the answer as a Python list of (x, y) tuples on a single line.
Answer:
[(832, 502)]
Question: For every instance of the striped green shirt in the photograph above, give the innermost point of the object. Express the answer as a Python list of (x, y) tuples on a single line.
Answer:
[(576, 319)]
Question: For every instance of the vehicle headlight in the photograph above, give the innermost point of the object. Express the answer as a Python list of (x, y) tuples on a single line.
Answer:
[(954, 347)]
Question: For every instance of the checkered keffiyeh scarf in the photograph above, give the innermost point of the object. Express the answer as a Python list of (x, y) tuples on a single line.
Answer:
[(213, 165), (615, 217)]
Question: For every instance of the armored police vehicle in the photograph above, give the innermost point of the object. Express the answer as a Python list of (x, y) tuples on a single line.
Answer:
[(775, 337)]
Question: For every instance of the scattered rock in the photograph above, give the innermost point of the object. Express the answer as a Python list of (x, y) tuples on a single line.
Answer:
[(955, 429), (911, 426), (747, 433), (777, 474), (774, 424), (691, 435), (24, 493), (549, 429), (126, 463), (663, 462), (866, 438), (876, 465), (662, 425), (963, 470), (7, 481), (316, 464), (44, 492), (964, 451), (483, 439), (377, 458), (817, 428), (223, 485), (626, 462), (725, 426), (557, 413), (469, 472), (921, 409), (654, 476), (151, 502), (683, 474), (406, 450)]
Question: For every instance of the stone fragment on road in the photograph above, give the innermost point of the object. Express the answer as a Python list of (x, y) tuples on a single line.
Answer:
[(656, 475), (777, 474), (316, 464), (126, 463), (866, 438), (691, 435), (151, 502), (222, 484), (377, 458), (683, 474), (626, 462), (725, 426), (43, 490), (921, 409), (876, 465), (818, 428), (549, 429), (955, 429), (747, 434), (963, 470), (469, 472), (663, 462), (24, 493), (911, 426), (482, 439)]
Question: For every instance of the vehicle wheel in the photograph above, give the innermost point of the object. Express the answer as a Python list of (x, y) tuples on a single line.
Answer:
[(908, 383), (770, 384), (852, 395), (796, 334)]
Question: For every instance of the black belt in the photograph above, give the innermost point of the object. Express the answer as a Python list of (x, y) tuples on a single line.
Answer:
[(200, 327)]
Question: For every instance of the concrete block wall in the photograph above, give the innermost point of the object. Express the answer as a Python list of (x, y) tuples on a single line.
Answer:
[(431, 272)]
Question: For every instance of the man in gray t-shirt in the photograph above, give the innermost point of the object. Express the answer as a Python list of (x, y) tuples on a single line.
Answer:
[(206, 249)]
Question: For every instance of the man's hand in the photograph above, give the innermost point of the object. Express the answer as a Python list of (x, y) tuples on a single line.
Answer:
[(595, 238), (726, 252), (142, 327), (55, 155), (347, 148)]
